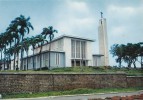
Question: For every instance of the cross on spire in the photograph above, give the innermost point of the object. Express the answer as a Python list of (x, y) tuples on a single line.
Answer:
[(101, 14)]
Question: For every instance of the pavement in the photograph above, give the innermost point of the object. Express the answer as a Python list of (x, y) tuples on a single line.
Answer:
[(82, 96)]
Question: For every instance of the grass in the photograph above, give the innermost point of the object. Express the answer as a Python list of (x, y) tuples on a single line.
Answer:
[(69, 92), (85, 70)]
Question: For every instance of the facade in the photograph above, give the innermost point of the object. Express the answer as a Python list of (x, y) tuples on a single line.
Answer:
[(66, 51), (97, 59), (103, 42)]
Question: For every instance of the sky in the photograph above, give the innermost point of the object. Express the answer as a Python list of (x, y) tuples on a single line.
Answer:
[(80, 18)]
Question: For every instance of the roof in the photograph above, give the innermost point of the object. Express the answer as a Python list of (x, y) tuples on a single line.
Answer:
[(69, 36), (76, 37), (98, 55)]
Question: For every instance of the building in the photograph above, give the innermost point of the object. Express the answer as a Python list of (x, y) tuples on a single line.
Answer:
[(103, 41), (66, 51)]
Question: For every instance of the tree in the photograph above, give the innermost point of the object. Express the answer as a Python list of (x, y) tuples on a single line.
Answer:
[(41, 40), (140, 54), (9, 39), (33, 42), (26, 45), (50, 33), (127, 53), (23, 26), (14, 31), (118, 50)]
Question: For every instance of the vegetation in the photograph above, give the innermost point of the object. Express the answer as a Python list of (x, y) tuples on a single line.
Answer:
[(70, 92), (13, 40), (129, 53), (83, 70)]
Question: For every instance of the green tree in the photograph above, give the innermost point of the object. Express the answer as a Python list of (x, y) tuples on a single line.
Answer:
[(23, 26), (140, 54), (26, 45), (50, 33), (14, 32), (33, 42), (118, 50)]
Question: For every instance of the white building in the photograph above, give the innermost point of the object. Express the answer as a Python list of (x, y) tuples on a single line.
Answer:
[(66, 51)]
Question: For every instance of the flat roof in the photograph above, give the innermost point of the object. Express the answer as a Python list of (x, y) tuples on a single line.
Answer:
[(69, 36), (97, 55)]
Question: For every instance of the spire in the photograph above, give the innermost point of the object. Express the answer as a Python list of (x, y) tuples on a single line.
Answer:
[(101, 14)]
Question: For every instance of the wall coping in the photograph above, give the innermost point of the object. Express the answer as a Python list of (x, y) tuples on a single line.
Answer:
[(4, 73), (135, 76)]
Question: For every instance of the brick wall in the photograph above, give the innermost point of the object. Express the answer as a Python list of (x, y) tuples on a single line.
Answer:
[(13, 83)]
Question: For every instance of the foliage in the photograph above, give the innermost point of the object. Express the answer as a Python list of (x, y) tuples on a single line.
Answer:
[(13, 40), (84, 70), (128, 53)]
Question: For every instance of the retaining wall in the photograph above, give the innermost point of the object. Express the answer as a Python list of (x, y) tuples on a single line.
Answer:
[(13, 83)]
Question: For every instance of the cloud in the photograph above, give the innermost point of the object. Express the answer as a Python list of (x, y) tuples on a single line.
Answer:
[(77, 6), (78, 19), (121, 10), (118, 31)]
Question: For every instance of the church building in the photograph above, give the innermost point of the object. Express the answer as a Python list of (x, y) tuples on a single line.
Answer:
[(70, 51)]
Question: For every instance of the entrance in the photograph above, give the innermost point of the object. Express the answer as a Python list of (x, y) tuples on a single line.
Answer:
[(79, 62)]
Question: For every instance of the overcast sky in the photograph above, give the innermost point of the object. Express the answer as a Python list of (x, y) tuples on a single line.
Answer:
[(80, 18)]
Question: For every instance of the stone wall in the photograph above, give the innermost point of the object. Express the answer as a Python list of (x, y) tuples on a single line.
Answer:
[(135, 81), (13, 83)]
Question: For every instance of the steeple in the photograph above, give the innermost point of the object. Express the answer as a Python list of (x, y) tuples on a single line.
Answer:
[(103, 41), (101, 15)]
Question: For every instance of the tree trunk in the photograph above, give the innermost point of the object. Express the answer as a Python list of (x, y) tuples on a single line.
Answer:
[(14, 62), (4, 56), (50, 53), (129, 64), (10, 58), (134, 63), (141, 62), (1, 61), (14, 57), (40, 56), (27, 59), (17, 68), (120, 64), (21, 63), (33, 60), (1, 55)]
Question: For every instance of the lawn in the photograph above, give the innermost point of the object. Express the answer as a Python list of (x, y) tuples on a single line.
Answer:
[(70, 92), (85, 70)]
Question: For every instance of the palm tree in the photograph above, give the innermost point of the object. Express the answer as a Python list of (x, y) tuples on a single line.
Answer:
[(1, 49), (40, 40), (26, 45), (9, 38), (5, 43), (33, 42), (23, 26), (50, 33), (14, 31)]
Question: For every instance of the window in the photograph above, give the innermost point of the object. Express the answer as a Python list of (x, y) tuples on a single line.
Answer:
[(83, 48), (57, 57), (73, 48), (78, 49)]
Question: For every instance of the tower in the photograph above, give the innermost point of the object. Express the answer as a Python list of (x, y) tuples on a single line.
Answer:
[(103, 41)]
